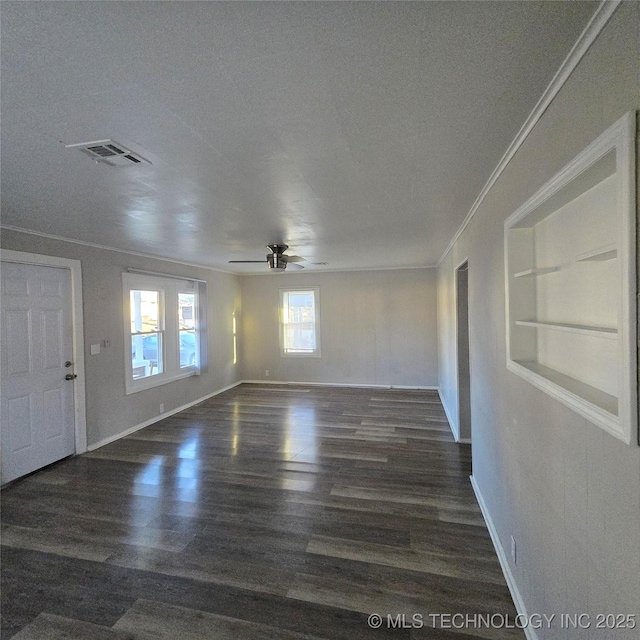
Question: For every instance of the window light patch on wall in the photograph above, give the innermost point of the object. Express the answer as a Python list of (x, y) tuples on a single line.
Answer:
[(235, 339)]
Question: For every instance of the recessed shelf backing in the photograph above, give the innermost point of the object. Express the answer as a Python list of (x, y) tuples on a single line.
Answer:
[(579, 227)]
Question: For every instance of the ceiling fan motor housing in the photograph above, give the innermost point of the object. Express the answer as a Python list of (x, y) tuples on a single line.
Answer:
[(276, 261)]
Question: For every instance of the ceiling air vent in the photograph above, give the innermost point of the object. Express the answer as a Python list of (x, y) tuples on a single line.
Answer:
[(109, 152)]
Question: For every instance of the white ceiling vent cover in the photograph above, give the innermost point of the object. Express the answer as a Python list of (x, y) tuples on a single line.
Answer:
[(110, 152)]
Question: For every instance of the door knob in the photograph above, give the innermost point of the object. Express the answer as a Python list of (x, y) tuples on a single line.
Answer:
[(68, 363), (70, 376)]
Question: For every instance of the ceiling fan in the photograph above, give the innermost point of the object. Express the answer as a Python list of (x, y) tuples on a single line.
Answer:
[(277, 258)]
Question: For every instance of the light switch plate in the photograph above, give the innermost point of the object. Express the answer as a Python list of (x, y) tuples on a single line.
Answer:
[(95, 349)]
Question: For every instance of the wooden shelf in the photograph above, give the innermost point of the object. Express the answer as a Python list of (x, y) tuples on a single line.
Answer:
[(598, 255), (599, 332), (595, 396), (535, 272)]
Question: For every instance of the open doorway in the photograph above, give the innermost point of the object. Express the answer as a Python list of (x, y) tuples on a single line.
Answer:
[(462, 341)]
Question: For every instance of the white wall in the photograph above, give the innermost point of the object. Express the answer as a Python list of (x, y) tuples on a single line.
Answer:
[(566, 490), (377, 327), (109, 411)]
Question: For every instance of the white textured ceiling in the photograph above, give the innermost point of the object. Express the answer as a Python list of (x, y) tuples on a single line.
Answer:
[(358, 133)]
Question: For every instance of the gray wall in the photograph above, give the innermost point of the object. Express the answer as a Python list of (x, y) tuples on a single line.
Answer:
[(109, 410), (566, 490), (464, 386), (377, 327)]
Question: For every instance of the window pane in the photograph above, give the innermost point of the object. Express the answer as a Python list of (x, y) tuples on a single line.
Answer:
[(145, 307), (187, 349), (186, 311), (146, 339), (187, 329), (299, 335), (146, 355)]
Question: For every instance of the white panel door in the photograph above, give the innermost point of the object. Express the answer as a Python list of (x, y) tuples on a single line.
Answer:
[(37, 412)]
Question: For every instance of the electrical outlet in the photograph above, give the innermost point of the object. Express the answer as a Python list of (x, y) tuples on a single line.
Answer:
[(106, 343), (162, 407), (266, 373), (514, 557)]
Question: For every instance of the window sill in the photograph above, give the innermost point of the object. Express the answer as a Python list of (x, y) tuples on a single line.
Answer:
[(158, 381), (300, 355)]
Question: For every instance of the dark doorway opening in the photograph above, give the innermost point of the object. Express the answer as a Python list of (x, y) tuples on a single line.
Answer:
[(462, 339)]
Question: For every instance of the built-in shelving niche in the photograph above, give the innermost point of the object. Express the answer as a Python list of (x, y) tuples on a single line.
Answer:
[(570, 284)]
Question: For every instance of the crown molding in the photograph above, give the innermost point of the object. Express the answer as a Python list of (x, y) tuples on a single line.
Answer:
[(107, 248), (196, 264), (315, 272), (598, 21)]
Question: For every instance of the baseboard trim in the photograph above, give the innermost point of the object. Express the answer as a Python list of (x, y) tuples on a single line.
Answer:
[(464, 440), (502, 557), (410, 388), (350, 385), (157, 418), (449, 420)]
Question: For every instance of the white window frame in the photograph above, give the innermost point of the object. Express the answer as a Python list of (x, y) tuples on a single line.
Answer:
[(316, 302), (168, 288)]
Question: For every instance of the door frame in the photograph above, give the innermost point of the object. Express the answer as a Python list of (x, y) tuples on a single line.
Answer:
[(456, 270), (79, 392)]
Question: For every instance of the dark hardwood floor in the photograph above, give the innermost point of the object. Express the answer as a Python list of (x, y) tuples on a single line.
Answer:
[(280, 512)]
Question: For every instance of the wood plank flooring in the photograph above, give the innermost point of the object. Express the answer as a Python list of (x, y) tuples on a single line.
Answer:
[(280, 512)]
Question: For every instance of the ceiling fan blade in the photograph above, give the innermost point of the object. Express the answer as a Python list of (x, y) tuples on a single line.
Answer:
[(297, 266), (246, 261), (296, 259)]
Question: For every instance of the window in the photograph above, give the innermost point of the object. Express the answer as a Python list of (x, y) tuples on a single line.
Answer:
[(162, 330), (299, 322)]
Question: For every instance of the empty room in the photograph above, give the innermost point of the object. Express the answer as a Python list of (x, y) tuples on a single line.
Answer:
[(319, 320)]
